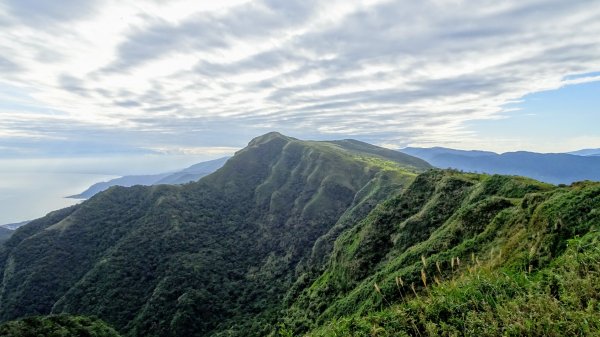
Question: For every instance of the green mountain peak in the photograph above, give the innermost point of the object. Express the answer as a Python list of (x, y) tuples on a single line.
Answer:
[(268, 137), (319, 238), (210, 248)]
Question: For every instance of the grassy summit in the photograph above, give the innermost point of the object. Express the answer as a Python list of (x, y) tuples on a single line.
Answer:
[(205, 258)]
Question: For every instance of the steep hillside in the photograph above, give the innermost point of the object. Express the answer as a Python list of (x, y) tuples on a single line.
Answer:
[(463, 253), (554, 168), (210, 258), (303, 238)]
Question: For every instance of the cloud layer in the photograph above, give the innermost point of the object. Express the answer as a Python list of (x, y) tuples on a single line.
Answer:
[(117, 77)]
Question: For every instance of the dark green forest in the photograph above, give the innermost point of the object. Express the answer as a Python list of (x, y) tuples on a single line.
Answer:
[(57, 326), (294, 238)]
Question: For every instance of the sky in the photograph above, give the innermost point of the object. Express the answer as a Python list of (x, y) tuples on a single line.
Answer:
[(100, 88), (201, 78)]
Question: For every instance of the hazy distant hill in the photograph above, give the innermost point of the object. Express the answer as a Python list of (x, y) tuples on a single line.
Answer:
[(5, 233), (193, 173), (556, 168), (13, 226), (187, 175), (586, 152), (431, 153)]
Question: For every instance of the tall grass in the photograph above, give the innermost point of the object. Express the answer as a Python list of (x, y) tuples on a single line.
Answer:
[(562, 299)]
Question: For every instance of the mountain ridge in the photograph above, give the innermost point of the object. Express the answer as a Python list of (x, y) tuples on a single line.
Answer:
[(334, 238), (586, 152), (555, 168), (279, 191), (15, 225)]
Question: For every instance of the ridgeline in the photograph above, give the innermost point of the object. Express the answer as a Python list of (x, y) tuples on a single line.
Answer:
[(336, 238)]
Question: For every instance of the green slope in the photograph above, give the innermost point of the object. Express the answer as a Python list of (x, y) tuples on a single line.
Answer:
[(499, 255), (214, 257), (310, 238)]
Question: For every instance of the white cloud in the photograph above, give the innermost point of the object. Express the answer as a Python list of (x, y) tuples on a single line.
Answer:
[(198, 74)]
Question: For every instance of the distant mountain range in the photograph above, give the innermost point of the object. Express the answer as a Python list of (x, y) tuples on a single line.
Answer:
[(7, 230), (586, 152), (13, 226), (192, 173), (555, 168)]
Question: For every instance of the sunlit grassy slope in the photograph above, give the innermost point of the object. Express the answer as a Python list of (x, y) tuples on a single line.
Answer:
[(463, 254)]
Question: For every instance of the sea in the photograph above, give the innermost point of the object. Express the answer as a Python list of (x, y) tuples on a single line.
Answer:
[(27, 196), (31, 188)]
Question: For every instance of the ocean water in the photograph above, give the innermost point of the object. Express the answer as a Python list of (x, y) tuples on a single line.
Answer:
[(27, 196), (30, 188)]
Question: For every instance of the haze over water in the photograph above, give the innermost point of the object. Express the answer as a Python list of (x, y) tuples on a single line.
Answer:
[(30, 188), (25, 196)]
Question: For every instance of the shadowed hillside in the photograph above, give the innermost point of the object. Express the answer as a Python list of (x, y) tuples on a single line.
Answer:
[(151, 260), (57, 326)]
